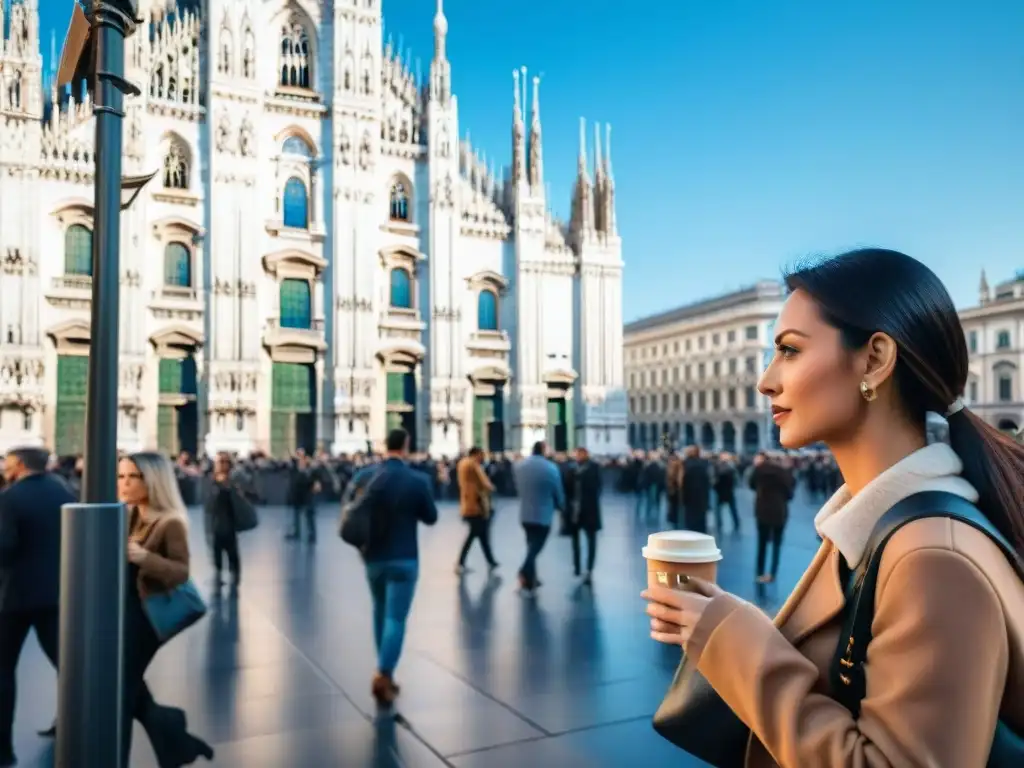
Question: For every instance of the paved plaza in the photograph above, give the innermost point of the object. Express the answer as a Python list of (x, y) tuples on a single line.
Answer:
[(490, 679)]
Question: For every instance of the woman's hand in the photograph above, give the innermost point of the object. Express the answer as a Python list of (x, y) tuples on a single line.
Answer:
[(136, 553), (675, 613)]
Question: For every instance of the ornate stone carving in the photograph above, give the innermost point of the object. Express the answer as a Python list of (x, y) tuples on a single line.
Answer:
[(223, 136), (357, 304), (133, 135), (366, 152), (15, 263), (444, 192), (246, 143), (447, 313), (344, 148), (21, 372)]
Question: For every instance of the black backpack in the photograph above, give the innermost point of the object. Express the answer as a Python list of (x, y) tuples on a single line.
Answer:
[(847, 670), (357, 526)]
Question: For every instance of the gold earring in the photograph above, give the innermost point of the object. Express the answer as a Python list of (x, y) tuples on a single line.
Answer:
[(868, 393)]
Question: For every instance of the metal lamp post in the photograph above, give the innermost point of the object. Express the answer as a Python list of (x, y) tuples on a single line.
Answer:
[(90, 708)]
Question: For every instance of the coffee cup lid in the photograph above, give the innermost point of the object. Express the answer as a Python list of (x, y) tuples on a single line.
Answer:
[(682, 547)]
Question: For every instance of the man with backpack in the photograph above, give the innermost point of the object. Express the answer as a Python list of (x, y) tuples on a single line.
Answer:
[(381, 518)]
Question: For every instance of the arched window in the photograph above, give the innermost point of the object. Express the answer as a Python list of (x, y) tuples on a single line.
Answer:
[(224, 55), (295, 56), (399, 210), (249, 55), (296, 303), (176, 168), (78, 251), (401, 289), (487, 310), (177, 266), (295, 145), (296, 204)]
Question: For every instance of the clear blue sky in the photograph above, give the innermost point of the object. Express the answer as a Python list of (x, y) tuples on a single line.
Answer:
[(749, 133)]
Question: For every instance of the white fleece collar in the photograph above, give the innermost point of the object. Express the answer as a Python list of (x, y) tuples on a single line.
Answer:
[(848, 521)]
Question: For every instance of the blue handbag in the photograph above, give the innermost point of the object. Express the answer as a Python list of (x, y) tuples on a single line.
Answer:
[(173, 612)]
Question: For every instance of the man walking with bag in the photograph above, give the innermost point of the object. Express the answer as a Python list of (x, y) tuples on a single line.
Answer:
[(396, 500)]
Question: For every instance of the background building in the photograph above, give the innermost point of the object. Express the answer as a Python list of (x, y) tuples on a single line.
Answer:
[(692, 372), (995, 341), (319, 259)]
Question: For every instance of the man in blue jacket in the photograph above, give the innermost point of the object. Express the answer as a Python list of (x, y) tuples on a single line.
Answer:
[(400, 499), (540, 493)]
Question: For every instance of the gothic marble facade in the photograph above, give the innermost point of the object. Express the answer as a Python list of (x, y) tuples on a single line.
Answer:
[(319, 258)]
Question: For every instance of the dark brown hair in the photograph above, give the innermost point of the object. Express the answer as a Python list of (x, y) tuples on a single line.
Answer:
[(874, 290)]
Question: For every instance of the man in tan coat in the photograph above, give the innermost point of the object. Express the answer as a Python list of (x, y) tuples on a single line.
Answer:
[(475, 490)]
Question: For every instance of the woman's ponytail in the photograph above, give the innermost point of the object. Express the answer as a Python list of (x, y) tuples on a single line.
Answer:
[(994, 465)]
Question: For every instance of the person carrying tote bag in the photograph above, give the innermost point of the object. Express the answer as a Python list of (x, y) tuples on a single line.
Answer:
[(161, 601), (868, 351)]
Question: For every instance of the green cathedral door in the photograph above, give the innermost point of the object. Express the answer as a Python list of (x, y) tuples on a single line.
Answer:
[(292, 409), (401, 403), (177, 420), (69, 429), (560, 432), (489, 422)]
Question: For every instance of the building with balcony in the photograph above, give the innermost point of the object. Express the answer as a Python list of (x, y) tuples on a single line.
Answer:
[(994, 330), (692, 372), (319, 257)]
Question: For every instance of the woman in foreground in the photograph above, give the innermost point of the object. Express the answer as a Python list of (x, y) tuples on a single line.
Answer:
[(868, 343), (159, 562)]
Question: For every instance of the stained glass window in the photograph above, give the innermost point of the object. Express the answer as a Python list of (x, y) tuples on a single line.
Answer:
[(296, 303), (78, 251), (296, 204), (487, 311), (401, 289), (177, 265)]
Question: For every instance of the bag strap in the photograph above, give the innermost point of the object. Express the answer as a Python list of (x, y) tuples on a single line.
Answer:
[(847, 670)]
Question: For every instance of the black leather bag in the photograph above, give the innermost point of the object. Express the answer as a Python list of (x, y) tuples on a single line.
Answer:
[(356, 526), (847, 670), (696, 719), (246, 518)]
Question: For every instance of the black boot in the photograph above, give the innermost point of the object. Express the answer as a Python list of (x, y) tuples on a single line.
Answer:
[(173, 745)]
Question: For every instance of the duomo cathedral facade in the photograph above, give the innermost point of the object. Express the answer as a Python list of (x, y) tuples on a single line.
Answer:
[(319, 258)]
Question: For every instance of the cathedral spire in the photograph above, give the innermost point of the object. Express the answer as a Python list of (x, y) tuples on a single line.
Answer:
[(536, 142), (518, 132), (440, 33), (983, 290), (582, 199), (609, 181), (440, 69)]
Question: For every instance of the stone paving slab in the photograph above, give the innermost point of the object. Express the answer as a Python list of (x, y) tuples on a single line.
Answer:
[(280, 677)]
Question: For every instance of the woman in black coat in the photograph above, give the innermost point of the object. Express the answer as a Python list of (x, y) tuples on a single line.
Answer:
[(773, 489)]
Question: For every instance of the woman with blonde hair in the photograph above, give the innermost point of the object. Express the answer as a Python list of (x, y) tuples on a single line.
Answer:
[(158, 556), (903, 643)]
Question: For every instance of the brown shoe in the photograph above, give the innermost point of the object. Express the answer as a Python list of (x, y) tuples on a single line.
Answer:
[(383, 689)]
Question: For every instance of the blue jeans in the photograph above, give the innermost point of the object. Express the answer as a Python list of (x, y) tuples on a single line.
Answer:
[(536, 537), (392, 587)]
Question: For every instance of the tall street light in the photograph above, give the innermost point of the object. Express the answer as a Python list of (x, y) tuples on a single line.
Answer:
[(91, 705)]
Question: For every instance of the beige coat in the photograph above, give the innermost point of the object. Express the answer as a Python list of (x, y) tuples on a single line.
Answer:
[(166, 564), (475, 488), (946, 658)]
